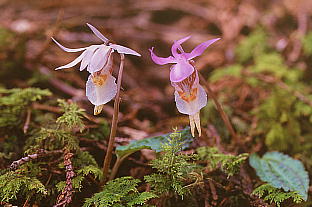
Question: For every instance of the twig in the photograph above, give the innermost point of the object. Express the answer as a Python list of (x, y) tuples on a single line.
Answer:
[(26, 202), (28, 158), (281, 84), (302, 19), (58, 110), (26, 125), (66, 196), (224, 116), (108, 156), (213, 190), (61, 85)]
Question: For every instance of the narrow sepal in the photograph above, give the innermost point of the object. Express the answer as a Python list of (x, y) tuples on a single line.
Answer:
[(98, 33), (199, 49), (124, 50), (73, 63), (68, 49), (161, 60)]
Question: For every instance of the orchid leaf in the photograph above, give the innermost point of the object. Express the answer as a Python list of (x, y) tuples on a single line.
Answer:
[(153, 143), (281, 171)]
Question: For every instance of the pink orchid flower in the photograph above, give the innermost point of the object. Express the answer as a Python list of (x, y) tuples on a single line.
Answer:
[(182, 67), (190, 96), (98, 60)]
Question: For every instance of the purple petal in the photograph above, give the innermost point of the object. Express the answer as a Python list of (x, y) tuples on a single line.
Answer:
[(68, 49), (199, 49), (160, 60), (177, 44), (99, 59), (180, 71), (124, 50), (73, 63), (97, 33)]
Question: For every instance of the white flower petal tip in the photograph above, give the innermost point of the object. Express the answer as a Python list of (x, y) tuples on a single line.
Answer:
[(98, 33), (195, 122), (192, 124), (124, 50), (98, 109), (68, 49)]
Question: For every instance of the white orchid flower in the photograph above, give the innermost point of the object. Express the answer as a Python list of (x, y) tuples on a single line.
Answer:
[(98, 60)]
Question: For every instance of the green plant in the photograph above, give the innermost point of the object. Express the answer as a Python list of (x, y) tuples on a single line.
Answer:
[(72, 116), (307, 44), (45, 143), (174, 170), (14, 103), (153, 143), (14, 186), (229, 164), (251, 46), (120, 192), (275, 195)]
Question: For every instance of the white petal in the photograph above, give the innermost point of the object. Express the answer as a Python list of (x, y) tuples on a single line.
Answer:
[(192, 125), (99, 59), (99, 95), (68, 49), (124, 50), (194, 106), (98, 33), (74, 62), (86, 60), (197, 122)]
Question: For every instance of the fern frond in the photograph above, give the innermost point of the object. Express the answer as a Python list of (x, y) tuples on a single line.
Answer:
[(72, 116), (230, 164), (275, 195), (119, 192), (12, 184)]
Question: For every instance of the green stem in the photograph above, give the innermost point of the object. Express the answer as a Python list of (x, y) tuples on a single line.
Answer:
[(117, 165)]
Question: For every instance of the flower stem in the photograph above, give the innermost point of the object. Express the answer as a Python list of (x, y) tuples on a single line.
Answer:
[(224, 116), (109, 152)]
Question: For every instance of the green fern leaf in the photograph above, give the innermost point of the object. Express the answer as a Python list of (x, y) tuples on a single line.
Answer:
[(271, 194), (119, 192)]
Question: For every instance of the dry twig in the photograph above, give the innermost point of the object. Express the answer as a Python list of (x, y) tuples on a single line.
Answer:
[(224, 116), (31, 157)]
